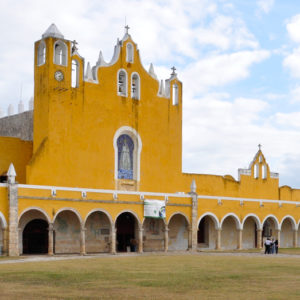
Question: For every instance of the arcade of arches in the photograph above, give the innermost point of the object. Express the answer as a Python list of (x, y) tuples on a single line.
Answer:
[(67, 233)]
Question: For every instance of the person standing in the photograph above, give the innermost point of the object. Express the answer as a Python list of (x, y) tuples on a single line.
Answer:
[(267, 246), (276, 246)]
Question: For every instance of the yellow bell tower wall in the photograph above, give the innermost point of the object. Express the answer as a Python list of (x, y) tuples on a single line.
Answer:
[(75, 128)]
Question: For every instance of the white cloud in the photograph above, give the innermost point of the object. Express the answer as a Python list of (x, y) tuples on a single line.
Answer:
[(230, 132), (293, 28), (292, 62), (265, 5), (221, 69), (288, 119)]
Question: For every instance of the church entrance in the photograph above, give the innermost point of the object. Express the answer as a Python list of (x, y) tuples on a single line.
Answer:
[(35, 237), (126, 239)]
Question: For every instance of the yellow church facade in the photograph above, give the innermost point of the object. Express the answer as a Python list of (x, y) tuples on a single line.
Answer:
[(106, 146)]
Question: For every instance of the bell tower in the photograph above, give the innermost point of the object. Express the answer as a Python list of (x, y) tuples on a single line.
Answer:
[(52, 76)]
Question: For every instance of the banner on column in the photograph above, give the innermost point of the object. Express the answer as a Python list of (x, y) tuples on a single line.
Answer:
[(154, 209)]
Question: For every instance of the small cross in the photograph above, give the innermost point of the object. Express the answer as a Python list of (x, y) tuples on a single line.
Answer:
[(127, 28), (173, 71), (259, 146), (74, 48)]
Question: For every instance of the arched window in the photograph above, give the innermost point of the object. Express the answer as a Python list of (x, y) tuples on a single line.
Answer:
[(75, 74), (41, 59), (122, 83), (264, 172), (175, 94), (135, 86), (129, 53), (60, 53), (256, 171), (128, 146), (125, 157)]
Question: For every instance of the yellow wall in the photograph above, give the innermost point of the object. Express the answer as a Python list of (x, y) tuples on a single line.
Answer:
[(16, 151)]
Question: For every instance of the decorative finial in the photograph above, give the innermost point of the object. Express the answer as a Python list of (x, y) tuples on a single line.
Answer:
[(259, 147), (173, 71), (127, 28), (193, 186), (74, 47)]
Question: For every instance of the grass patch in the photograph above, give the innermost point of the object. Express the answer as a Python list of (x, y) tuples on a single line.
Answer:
[(154, 277)]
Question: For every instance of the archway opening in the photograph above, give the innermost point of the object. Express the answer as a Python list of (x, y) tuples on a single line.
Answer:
[(207, 233), (126, 226), (98, 229), (286, 234), (35, 237), (249, 234), (154, 238), (178, 233), (229, 234), (66, 237)]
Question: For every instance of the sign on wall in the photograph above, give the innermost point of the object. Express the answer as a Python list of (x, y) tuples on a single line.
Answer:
[(154, 209)]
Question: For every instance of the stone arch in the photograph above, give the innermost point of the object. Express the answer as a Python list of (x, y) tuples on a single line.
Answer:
[(291, 218), (213, 217), (68, 209), (133, 134), (256, 219), (99, 210), (236, 219), (131, 212), (3, 222), (287, 227), (250, 225), (230, 224), (179, 213), (67, 225), (98, 227), (127, 225), (39, 220), (275, 220), (178, 231), (207, 227)]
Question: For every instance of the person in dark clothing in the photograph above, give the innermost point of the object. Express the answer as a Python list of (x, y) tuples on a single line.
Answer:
[(276, 246)]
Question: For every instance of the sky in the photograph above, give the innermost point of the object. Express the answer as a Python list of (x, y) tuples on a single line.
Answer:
[(239, 62)]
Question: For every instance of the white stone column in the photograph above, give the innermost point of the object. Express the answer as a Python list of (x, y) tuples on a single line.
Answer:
[(166, 233), (13, 238), (140, 250), (190, 237), (240, 239), (50, 239), (259, 238), (218, 242), (194, 228), (82, 241), (295, 238), (113, 239)]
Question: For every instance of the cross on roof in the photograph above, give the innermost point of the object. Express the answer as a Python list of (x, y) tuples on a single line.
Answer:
[(173, 70), (127, 28), (74, 48)]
